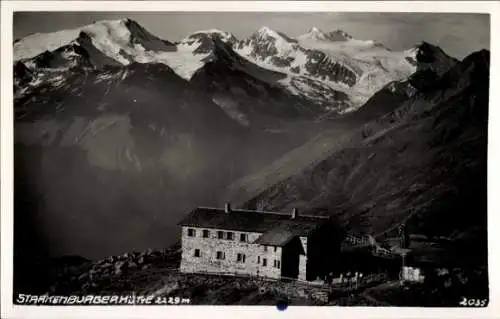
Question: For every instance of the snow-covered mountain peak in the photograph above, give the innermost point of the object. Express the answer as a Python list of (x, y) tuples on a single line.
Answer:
[(317, 34), (223, 35), (265, 44), (122, 40), (200, 36), (37, 43), (266, 32), (314, 33), (202, 45), (309, 72), (374, 65), (338, 35)]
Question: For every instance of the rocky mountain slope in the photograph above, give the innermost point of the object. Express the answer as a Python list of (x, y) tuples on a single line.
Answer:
[(247, 92), (374, 65), (423, 163), (317, 62), (347, 129)]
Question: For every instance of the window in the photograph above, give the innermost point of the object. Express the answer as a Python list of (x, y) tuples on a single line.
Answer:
[(258, 260), (265, 248), (264, 262), (277, 264), (191, 232), (197, 253), (206, 233), (229, 235), (243, 238), (275, 248), (221, 255), (220, 234), (240, 258)]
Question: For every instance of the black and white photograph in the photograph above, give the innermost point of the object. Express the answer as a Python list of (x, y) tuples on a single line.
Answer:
[(272, 158)]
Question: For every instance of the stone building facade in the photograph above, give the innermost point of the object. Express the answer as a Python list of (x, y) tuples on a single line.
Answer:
[(256, 243)]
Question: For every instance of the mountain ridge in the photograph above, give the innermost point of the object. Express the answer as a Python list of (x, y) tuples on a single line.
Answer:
[(308, 72)]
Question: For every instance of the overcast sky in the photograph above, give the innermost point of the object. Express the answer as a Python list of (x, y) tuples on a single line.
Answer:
[(457, 34)]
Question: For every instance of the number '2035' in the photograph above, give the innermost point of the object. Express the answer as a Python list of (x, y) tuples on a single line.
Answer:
[(473, 302)]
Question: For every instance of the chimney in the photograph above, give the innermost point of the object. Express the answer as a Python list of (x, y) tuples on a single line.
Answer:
[(295, 213), (227, 208)]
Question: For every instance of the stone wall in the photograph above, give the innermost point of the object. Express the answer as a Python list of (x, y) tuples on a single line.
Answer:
[(208, 262), (271, 255)]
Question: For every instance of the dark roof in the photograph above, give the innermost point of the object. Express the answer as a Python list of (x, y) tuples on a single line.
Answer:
[(277, 227), (285, 231), (275, 238)]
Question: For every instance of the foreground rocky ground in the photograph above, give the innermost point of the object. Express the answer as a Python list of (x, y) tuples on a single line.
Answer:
[(155, 273)]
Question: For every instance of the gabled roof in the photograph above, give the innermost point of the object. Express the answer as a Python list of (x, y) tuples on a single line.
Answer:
[(277, 227)]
